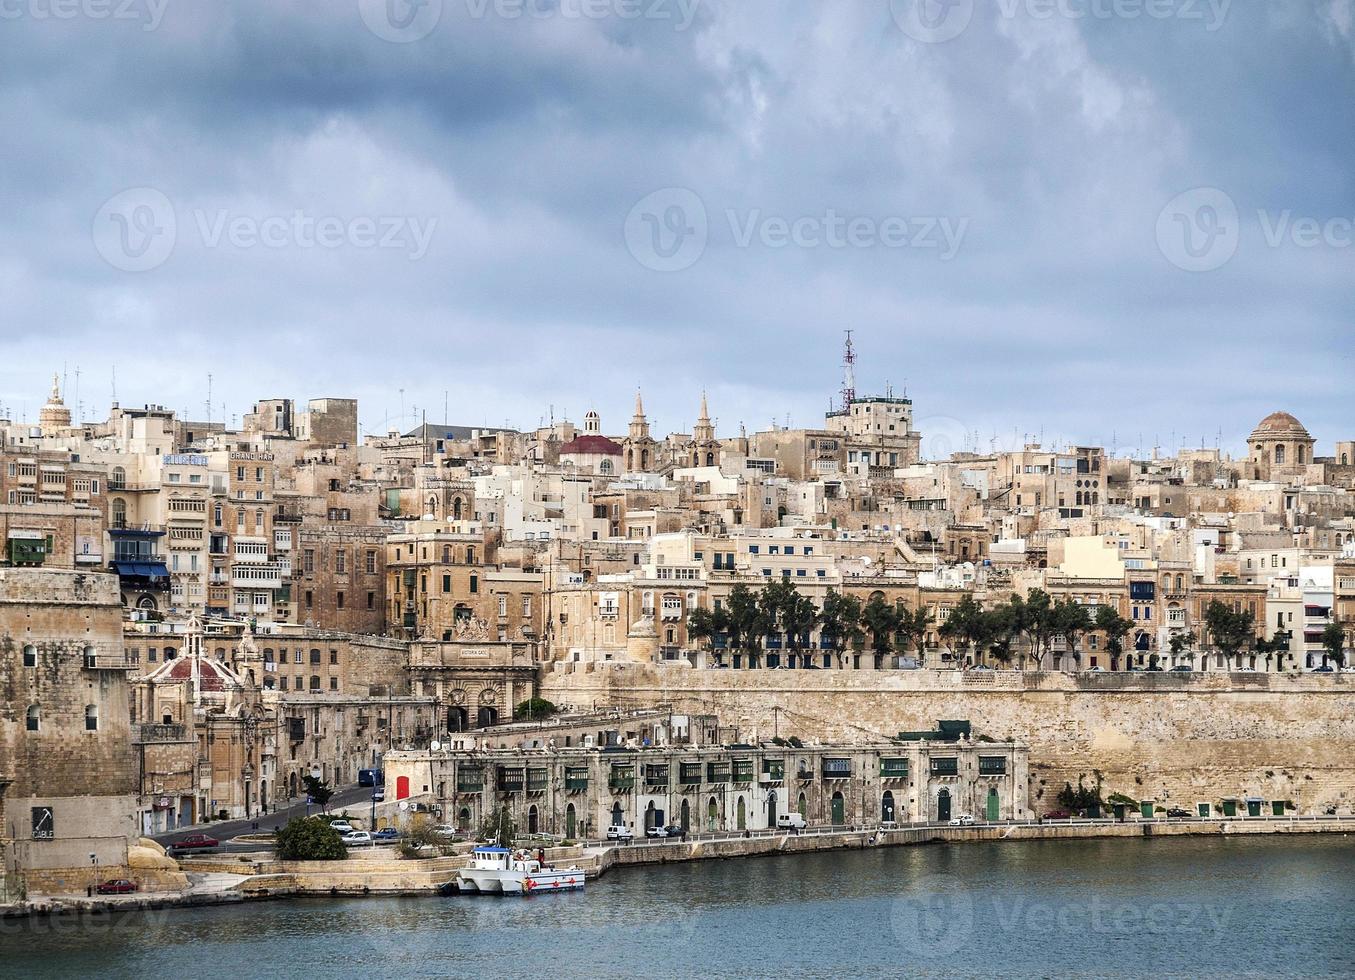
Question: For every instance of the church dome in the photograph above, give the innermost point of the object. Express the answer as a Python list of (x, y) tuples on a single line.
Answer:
[(1280, 426)]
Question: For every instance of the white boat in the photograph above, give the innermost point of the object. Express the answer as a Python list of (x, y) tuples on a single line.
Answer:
[(497, 870)]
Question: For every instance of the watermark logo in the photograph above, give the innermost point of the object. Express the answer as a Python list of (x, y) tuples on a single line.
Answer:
[(932, 21), (147, 13), (1199, 230), (666, 231), (136, 230), (934, 918), (401, 21), (680, 12)]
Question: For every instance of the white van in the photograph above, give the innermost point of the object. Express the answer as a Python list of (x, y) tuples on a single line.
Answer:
[(790, 821)]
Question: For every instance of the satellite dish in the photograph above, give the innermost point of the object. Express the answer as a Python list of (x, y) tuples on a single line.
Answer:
[(435, 746), (404, 804)]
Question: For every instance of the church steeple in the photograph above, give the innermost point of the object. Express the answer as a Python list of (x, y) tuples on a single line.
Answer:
[(54, 416), (639, 425), (704, 432)]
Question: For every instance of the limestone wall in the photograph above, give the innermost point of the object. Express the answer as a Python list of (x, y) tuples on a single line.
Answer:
[(1174, 738)]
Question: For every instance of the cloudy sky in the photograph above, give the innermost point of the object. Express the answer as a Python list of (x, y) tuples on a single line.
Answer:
[(1107, 221)]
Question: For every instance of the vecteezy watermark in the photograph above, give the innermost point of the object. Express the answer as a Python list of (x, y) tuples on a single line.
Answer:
[(147, 13), (934, 21), (403, 21), (937, 915), (1200, 230), (400, 21), (138, 229), (668, 230)]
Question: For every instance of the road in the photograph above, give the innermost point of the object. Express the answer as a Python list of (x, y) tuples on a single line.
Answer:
[(355, 798)]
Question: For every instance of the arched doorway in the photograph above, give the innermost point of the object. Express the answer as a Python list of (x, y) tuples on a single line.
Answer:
[(533, 820), (617, 819), (571, 822), (802, 806), (458, 719), (994, 805), (943, 805), (839, 809), (712, 814), (887, 806), (463, 819), (742, 814), (402, 787), (651, 816), (486, 716), (771, 808), (686, 815)]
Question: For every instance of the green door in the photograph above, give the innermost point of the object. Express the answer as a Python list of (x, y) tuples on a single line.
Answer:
[(1146, 809), (839, 810), (743, 814), (943, 806), (1253, 808), (1202, 809), (571, 821), (1230, 808), (993, 803), (1277, 808)]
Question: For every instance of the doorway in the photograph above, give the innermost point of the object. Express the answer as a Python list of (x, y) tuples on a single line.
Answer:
[(887, 807), (533, 819), (943, 806), (994, 804), (839, 810)]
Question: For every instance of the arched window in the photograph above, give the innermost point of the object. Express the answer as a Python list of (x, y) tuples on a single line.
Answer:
[(1279, 454), (315, 682), (605, 467), (118, 478), (91, 658), (456, 508), (33, 720), (91, 717), (30, 655), (119, 514), (1298, 454)]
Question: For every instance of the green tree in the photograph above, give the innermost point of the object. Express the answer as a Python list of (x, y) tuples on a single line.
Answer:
[(535, 709), (1180, 642), (912, 625), (747, 623), (1072, 620), (1333, 643), (881, 620), (310, 839), (1230, 631), (1012, 621), (1114, 626), (498, 826), (318, 790), (840, 621), (1037, 623), (969, 626)]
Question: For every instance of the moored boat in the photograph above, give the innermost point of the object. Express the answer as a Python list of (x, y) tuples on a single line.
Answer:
[(495, 870)]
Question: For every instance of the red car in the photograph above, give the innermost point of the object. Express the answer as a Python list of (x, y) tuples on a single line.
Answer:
[(195, 842), (116, 886), (1057, 815)]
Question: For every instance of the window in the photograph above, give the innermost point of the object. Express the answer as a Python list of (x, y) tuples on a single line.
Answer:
[(371, 562), (91, 717), (340, 562), (30, 656), (315, 682), (333, 657), (333, 683), (371, 600), (503, 605), (338, 600), (308, 561), (315, 656), (446, 583), (33, 720), (526, 606), (474, 584)]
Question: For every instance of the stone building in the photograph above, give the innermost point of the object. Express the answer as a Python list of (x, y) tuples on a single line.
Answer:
[(578, 792), (474, 679), (1280, 449), (68, 780)]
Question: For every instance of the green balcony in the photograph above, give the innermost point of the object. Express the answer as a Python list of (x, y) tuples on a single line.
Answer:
[(656, 776), (538, 780), (576, 778), (743, 770), (717, 772), (773, 770), (690, 774), (992, 765), (894, 768), (945, 767), (621, 780), (470, 780)]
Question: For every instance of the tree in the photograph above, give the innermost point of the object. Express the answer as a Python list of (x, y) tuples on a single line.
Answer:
[(310, 839), (1080, 800), (840, 620), (535, 708), (498, 826), (1110, 622), (965, 624), (1011, 620), (1333, 642), (784, 609), (881, 619), (318, 790), (1072, 620), (1181, 642), (702, 624), (1230, 630), (1037, 622), (912, 625), (746, 620)]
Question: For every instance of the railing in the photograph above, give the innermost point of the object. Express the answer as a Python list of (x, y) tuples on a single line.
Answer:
[(110, 660)]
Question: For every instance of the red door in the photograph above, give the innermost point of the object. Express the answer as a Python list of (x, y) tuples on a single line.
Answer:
[(401, 787)]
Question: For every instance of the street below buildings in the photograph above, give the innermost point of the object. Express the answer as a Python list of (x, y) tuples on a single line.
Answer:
[(351, 797)]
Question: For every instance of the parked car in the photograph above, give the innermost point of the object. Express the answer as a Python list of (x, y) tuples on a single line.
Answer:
[(116, 886), (342, 826), (357, 838), (378, 795), (1181, 669), (1057, 815), (675, 831), (446, 830), (1177, 813), (386, 835), (371, 777), (790, 821), (656, 832), (195, 842), (1324, 669), (619, 832), (963, 820)]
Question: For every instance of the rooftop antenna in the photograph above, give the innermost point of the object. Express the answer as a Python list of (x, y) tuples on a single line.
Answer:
[(848, 373)]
